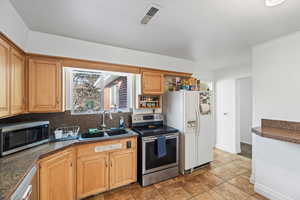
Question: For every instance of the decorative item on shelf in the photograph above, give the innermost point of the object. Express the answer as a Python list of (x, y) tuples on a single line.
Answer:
[(66, 133), (149, 102), (177, 83)]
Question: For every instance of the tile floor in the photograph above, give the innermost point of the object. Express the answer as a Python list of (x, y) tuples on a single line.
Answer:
[(246, 150), (226, 178)]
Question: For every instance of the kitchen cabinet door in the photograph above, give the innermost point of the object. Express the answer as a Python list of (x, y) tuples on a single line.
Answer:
[(4, 78), (57, 176), (122, 168), (92, 174), (17, 82), (45, 85), (152, 83)]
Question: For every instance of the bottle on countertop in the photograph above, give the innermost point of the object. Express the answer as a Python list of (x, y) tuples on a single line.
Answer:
[(122, 122)]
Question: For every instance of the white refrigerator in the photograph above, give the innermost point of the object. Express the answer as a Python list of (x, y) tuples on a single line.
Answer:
[(191, 113)]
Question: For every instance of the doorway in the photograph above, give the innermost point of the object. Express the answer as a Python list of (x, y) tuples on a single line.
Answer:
[(234, 115), (244, 115)]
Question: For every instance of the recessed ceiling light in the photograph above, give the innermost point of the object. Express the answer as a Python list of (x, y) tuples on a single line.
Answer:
[(271, 3)]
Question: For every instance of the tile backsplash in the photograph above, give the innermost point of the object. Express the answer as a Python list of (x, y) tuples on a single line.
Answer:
[(64, 119)]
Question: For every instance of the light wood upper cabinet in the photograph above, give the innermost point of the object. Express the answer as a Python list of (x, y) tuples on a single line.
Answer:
[(4, 78), (152, 83), (45, 85), (57, 176), (122, 168), (92, 174), (17, 82)]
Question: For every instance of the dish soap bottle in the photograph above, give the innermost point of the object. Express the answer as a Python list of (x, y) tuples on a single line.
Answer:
[(122, 122)]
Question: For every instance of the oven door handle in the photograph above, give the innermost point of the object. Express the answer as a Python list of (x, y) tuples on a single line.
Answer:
[(150, 139)]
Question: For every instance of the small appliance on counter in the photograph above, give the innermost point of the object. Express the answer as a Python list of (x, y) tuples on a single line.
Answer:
[(19, 136), (158, 149)]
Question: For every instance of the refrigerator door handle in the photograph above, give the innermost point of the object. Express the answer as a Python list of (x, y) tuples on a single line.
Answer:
[(198, 122)]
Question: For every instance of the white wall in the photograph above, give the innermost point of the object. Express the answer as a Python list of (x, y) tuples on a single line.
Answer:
[(244, 109), (276, 69), (54, 45), (233, 72), (276, 72), (12, 25)]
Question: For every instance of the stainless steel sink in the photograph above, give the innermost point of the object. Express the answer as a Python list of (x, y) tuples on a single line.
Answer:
[(115, 132), (93, 135), (104, 133)]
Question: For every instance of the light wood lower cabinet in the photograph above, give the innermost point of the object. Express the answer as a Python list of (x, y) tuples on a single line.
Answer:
[(92, 174), (122, 168), (57, 176), (89, 168), (101, 171)]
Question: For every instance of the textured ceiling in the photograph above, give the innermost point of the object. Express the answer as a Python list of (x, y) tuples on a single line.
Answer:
[(215, 33)]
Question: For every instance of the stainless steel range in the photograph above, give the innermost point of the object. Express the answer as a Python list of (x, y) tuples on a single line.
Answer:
[(151, 167)]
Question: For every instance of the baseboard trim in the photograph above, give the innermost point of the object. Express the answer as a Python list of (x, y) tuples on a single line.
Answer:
[(269, 193), (221, 147)]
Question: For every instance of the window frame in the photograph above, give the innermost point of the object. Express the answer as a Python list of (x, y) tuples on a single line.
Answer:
[(69, 91)]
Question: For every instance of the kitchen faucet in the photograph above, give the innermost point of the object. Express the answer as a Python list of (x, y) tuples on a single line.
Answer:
[(103, 126)]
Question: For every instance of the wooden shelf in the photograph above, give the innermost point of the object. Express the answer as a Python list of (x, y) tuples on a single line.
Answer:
[(142, 104)]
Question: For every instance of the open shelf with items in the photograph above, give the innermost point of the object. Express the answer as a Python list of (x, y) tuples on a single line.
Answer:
[(173, 83), (149, 101)]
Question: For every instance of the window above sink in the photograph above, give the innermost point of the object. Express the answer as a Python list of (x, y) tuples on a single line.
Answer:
[(93, 91)]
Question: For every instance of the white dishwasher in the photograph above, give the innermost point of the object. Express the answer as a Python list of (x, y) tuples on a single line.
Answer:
[(27, 190)]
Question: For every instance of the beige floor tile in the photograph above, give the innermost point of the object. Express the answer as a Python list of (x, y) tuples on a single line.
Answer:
[(228, 171), (146, 193), (247, 174), (230, 192), (243, 184), (194, 186), (124, 194), (166, 182), (174, 191), (210, 180), (243, 163), (210, 195), (259, 197)]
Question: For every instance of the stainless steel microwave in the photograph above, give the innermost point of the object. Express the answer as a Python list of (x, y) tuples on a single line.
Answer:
[(19, 136)]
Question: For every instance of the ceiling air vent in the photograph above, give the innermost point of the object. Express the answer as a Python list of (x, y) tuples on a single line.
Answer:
[(151, 12)]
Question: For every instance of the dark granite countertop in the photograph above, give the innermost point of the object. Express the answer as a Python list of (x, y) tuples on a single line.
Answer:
[(13, 168), (278, 134)]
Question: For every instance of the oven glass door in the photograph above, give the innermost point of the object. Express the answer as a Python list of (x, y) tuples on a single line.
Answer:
[(23, 137), (151, 162)]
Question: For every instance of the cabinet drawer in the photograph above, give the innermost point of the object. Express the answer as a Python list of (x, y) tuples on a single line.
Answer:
[(106, 146)]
